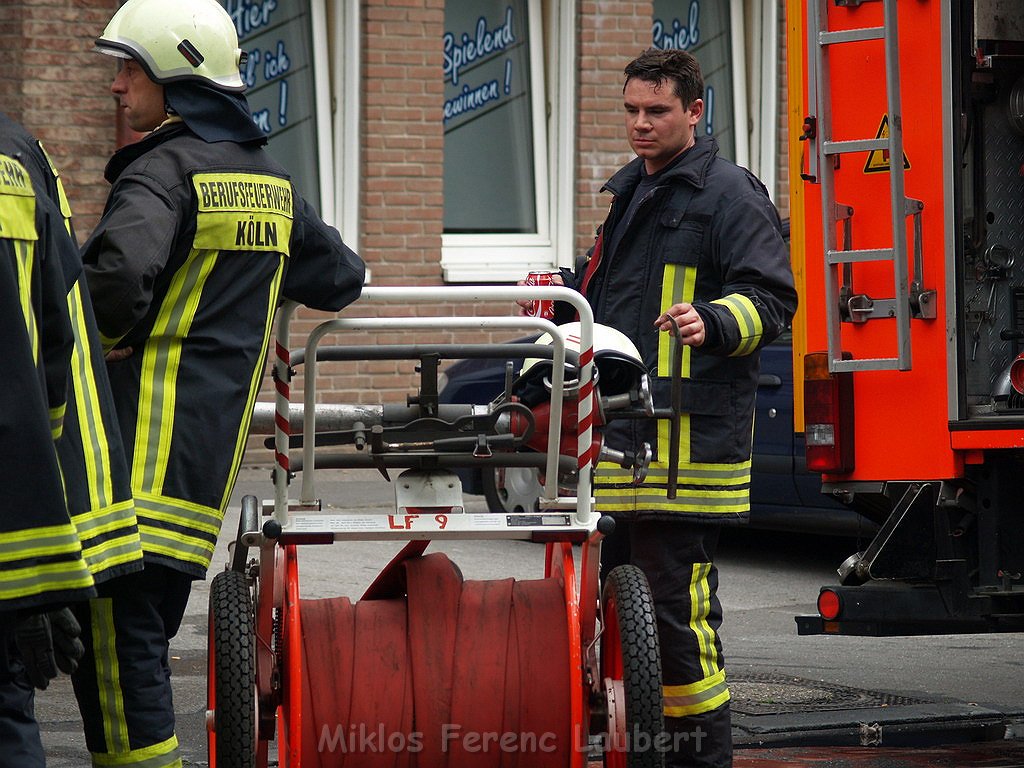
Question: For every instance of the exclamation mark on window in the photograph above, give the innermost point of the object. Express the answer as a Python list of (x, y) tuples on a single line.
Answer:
[(508, 76), (709, 111), (282, 104)]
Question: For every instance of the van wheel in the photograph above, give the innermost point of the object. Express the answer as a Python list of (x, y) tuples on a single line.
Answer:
[(512, 489)]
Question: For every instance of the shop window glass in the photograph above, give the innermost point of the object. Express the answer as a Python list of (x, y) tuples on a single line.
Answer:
[(703, 27), (490, 178), (281, 89)]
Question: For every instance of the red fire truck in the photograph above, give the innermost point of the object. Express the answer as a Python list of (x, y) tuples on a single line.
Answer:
[(907, 190)]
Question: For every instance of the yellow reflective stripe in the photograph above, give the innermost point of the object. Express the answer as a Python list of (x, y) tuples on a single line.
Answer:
[(17, 202), (117, 537), (45, 541), (678, 284), (684, 502), (95, 448), (113, 552), (177, 546), (704, 488), (700, 605), (156, 515), (57, 420), (157, 389), (109, 342), (99, 521), (62, 198), (39, 579), (692, 474), (186, 514), (702, 696), (24, 262), (747, 318), (108, 675), (254, 386), (162, 755)]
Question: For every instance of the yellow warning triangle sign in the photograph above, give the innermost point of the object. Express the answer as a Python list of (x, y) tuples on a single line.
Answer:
[(878, 159)]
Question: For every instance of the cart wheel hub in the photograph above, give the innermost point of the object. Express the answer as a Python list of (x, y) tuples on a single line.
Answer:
[(616, 699)]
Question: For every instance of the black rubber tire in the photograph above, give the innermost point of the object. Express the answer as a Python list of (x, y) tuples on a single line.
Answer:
[(232, 644), (511, 489), (630, 650)]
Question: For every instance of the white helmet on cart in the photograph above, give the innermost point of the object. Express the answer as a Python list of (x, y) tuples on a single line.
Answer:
[(616, 358)]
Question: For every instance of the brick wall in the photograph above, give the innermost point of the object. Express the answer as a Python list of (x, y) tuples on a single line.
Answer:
[(59, 89), (610, 35)]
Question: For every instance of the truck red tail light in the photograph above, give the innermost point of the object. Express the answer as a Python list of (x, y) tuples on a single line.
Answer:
[(830, 604), (828, 416)]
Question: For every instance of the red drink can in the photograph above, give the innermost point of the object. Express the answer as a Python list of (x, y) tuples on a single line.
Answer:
[(544, 308)]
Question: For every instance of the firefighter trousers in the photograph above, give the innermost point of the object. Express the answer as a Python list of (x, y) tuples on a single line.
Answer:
[(123, 684), (20, 745), (677, 559)]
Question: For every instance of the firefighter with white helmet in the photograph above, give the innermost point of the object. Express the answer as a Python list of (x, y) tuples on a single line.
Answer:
[(203, 234)]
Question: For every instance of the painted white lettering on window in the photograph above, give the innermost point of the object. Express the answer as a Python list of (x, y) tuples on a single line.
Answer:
[(676, 34), (487, 41)]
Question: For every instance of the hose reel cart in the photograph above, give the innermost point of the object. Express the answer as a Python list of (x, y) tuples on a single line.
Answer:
[(427, 668)]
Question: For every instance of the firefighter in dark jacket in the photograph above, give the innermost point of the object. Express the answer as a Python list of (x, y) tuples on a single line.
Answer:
[(691, 237), (41, 564), (202, 236), (91, 455)]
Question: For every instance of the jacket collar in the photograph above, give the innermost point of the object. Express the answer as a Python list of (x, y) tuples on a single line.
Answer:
[(692, 168), (129, 153)]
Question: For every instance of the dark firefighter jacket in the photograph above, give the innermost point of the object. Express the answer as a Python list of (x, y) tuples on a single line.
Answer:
[(40, 552), (709, 235), (197, 245), (91, 455)]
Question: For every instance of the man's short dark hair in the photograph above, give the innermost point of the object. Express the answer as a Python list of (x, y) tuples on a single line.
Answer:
[(681, 68)]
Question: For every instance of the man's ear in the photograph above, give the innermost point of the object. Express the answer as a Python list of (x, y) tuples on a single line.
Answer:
[(696, 110)]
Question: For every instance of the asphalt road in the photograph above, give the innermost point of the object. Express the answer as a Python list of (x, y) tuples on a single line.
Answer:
[(766, 579)]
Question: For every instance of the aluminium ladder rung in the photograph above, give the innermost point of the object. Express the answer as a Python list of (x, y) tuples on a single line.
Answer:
[(858, 256), (851, 35), (866, 364), (854, 145)]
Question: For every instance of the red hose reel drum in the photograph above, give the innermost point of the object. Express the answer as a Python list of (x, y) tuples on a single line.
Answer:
[(452, 673)]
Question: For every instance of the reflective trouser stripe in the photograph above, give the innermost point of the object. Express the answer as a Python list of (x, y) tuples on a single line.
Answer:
[(108, 675), (700, 605), (696, 698), (162, 755), (711, 691)]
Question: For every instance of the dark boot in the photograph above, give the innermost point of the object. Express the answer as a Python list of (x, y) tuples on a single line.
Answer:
[(700, 741)]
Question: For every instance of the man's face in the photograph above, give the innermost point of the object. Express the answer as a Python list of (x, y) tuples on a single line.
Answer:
[(658, 125), (141, 99)]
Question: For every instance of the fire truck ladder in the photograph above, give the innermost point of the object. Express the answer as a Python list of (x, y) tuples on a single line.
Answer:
[(841, 303)]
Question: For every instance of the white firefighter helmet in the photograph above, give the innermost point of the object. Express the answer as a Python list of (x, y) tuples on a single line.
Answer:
[(181, 40), (618, 362)]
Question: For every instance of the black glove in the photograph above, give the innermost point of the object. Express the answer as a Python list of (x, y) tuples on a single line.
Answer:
[(48, 642), (67, 647)]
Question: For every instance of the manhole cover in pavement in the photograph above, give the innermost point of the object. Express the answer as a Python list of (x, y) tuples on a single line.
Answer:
[(755, 693)]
